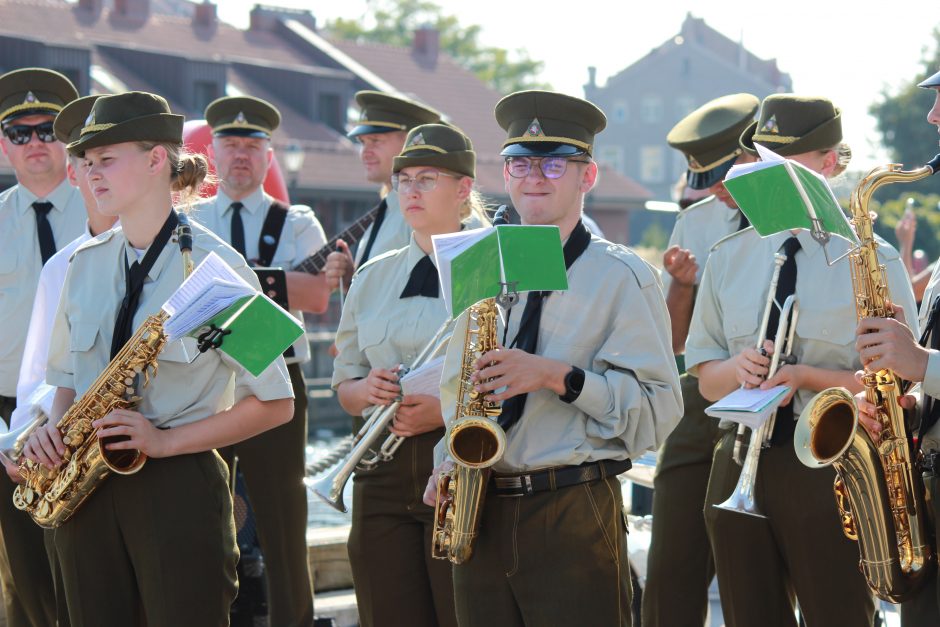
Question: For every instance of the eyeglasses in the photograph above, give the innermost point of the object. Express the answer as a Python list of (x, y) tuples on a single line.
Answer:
[(20, 134), (424, 182), (551, 167)]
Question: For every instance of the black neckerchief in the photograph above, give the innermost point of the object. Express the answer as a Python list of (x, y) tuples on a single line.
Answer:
[(423, 280), (528, 334), (134, 277)]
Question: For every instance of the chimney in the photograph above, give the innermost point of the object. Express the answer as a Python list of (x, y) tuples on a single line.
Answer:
[(426, 46), (132, 9), (205, 15), (592, 76)]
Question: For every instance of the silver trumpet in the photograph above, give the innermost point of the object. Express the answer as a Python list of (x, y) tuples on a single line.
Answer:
[(12, 442), (742, 498), (363, 455)]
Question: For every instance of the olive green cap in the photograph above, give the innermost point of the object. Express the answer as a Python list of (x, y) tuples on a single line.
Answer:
[(242, 115), (708, 137), (134, 116), (932, 82), (791, 125), (548, 124), (68, 124), (439, 146), (33, 90), (383, 113)]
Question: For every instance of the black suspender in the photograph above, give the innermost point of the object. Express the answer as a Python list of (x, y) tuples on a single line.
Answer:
[(271, 233)]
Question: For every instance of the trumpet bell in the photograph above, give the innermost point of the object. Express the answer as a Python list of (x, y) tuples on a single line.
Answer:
[(741, 501), (330, 489)]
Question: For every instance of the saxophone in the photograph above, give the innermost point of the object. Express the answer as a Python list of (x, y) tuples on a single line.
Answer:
[(51, 496), (475, 441), (881, 505)]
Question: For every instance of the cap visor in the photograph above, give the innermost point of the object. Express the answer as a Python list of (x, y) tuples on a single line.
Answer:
[(541, 149), (234, 132), (28, 112), (704, 180), (365, 129), (931, 83)]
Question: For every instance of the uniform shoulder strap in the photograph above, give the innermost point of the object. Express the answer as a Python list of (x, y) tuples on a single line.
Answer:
[(271, 232)]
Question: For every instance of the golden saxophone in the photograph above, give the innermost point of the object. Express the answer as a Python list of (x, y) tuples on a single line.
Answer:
[(475, 441), (50, 497), (881, 505)]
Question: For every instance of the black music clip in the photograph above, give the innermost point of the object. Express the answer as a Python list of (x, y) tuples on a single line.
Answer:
[(509, 296), (211, 338)]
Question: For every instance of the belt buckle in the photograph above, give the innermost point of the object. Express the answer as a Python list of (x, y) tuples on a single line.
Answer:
[(522, 483)]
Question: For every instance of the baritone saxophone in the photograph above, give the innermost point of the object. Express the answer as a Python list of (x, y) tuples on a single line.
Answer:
[(52, 496), (880, 501), (475, 442)]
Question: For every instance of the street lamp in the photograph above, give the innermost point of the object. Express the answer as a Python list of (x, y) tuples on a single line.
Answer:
[(294, 156)]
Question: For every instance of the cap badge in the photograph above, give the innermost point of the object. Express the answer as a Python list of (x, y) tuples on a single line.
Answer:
[(770, 126), (90, 120), (417, 140), (535, 129), (30, 98), (240, 118)]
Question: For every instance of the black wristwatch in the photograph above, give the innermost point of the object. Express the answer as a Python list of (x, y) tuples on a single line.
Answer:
[(574, 383)]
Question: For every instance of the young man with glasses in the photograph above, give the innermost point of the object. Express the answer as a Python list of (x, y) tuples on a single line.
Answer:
[(587, 380), (708, 138), (269, 233), (384, 122), (40, 213)]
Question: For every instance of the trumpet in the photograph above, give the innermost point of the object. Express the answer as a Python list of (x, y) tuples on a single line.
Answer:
[(363, 456), (12, 442), (742, 498)]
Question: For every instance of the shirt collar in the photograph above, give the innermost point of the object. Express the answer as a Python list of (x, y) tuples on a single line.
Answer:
[(131, 255), (59, 197), (415, 254), (253, 202)]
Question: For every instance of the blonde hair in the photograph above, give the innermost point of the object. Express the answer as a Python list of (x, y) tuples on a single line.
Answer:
[(474, 207), (843, 157), (188, 172)]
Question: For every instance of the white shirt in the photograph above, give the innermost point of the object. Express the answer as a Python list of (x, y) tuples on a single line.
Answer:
[(33, 394)]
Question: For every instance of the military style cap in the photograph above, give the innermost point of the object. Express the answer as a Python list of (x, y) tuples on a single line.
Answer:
[(382, 113), (33, 90), (708, 137), (68, 124), (548, 124), (439, 146), (129, 117), (791, 125), (243, 116), (931, 83)]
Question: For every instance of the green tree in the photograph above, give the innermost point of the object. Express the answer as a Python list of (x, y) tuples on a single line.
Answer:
[(395, 21), (902, 119), (655, 236), (927, 210)]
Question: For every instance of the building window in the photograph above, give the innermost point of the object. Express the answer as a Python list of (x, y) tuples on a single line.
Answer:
[(204, 93), (651, 109), (652, 164), (611, 156), (620, 112), (331, 111)]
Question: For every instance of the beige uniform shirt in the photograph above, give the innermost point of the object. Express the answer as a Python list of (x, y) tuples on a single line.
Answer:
[(181, 392), (301, 237), (733, 294), (931, 384), (379, 329), (611, 322), (21, 261), (394, 233)]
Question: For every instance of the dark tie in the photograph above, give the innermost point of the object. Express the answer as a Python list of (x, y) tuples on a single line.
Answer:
[(44, 230), (238, 229), (786, 286), (743, 223), (376, 225), (527, 336), (134, 278), (423, 280)]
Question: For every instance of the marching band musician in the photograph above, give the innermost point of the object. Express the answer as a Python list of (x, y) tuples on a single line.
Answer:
[(392, 311), (384, 122), (157, 546), (41, 212), (708, 137), (269, 233), (587, 379), (889, 343), (799, 549)]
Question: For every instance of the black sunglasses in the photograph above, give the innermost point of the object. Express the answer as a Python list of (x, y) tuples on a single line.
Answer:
[(20, 134)]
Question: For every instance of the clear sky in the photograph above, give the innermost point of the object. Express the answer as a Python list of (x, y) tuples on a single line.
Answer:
[(847, 51)]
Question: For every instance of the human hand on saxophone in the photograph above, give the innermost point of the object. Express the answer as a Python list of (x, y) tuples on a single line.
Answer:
[(520, 372), (889, 344), (430, 492), (867, 411)]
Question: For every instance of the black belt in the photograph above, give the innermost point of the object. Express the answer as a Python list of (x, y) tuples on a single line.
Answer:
[(930, 462), (559, 477)]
